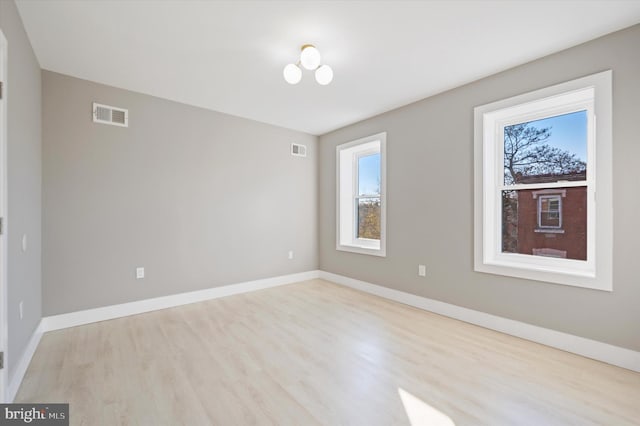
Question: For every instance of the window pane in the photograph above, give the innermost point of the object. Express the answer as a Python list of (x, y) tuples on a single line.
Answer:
[(546, 150), (545, 222), (549, 220), (549, 216), (369, 218), (369, 175)]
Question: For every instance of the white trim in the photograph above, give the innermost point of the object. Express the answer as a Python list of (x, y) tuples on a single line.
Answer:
[(4, 210), (553, 191), (88, 316), (347, 155), (604, 352), (23, 364), (73, 319), (597, 271), (615, 355), (557, 197)]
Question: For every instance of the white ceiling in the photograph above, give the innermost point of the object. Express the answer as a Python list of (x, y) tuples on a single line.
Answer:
[(228, 56)]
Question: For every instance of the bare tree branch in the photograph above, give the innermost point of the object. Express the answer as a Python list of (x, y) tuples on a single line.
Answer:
[(526, 154)]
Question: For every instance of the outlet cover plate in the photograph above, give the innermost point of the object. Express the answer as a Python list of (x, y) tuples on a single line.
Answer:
[(422, 270)]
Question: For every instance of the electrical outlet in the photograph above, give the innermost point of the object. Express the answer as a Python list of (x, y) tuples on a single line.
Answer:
[(21, 309), (139, 273), (422, 270), (290, 254)]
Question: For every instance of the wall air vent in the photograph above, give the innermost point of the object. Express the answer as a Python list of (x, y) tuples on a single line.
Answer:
[(298, 150), (106, 114)]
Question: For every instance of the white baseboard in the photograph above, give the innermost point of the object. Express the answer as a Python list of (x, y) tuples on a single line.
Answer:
[(600, 351), (23, 364), (72, 319), (614, 355), (57, 322)]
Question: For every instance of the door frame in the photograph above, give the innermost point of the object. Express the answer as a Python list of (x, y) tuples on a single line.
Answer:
[(4, 57)]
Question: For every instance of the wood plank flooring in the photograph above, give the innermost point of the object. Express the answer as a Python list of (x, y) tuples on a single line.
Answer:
[(315, 353)]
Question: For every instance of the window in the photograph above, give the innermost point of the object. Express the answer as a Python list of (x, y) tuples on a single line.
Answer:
[(537, 157), (549, 212), (361, 196)]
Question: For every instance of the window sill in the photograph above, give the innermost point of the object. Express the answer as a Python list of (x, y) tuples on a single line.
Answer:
[(557, 275), (549, 231), (380, 252)]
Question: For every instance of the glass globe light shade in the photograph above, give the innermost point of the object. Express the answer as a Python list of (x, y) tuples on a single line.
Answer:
[(292, 74), (310, 58), (324, 75)]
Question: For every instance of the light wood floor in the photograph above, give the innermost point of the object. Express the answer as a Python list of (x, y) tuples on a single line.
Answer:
[(317, 353)]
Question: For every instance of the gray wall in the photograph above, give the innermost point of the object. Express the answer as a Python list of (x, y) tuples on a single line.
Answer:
[(24, 183), (200, 199), (430, 200)]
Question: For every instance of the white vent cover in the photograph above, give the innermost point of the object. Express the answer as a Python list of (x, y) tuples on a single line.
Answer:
[(110, 115), (298, 150)]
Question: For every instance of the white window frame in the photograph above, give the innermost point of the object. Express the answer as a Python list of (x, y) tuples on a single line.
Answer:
[(347, 195), (592, 93), (550, 197)]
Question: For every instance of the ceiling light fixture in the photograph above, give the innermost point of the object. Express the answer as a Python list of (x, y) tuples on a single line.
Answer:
[(292, 73), (309, 59)]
